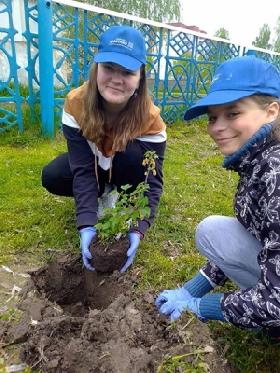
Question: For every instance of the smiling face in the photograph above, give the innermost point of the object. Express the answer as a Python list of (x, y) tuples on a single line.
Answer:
[(232, 125), (116, 85)]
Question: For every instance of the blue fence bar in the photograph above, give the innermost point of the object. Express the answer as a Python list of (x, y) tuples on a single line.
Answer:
[(61, 38), (46, 71), (32, 51), (10, 98)]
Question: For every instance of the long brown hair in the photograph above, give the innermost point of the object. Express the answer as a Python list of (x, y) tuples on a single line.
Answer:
[(129, 122), (263, 101)]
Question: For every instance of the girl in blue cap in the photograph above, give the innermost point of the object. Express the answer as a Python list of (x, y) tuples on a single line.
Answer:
[(109, 123), (243, 111)]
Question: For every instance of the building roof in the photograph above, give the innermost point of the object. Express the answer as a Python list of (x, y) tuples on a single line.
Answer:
[(192, 27)]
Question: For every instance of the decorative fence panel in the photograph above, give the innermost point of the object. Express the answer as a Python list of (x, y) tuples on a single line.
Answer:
[(61, 37), (10, 98)]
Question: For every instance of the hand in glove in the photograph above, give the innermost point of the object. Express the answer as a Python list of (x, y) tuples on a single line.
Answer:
[(134, 239), (174, 302), (86, 236)]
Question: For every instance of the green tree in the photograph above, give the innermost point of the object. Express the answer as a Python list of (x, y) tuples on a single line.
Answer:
[(262, 40), (157, 10), (276, 46), (222, 33)]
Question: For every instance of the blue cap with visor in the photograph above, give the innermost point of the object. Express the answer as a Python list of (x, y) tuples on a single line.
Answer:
[(238, 78), (123, 45)]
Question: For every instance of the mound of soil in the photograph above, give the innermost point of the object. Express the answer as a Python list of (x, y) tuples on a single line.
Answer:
[(79, 321), (109, 257)]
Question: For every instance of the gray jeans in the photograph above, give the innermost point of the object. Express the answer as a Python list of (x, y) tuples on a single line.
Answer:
[(224, 241)]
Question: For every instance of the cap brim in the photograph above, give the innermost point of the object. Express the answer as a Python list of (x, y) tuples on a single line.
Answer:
[(214, 98), (128, 62)]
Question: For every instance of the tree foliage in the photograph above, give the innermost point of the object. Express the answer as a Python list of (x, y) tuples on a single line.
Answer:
[(222, 33), (157, 10), (276, 46), (262, 40)]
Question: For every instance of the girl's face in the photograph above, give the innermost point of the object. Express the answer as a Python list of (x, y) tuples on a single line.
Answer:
[(116, 85), (231, 125)]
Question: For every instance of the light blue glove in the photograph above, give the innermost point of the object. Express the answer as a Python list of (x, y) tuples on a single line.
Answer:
[(134, 239), (86, 236), (174, 302)]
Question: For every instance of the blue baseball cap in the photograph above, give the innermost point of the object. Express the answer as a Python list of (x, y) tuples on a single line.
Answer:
[(123, 45), (237, 78)]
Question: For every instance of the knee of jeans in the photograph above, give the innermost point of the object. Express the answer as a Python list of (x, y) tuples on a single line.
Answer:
[(204, 231), (47, 179)]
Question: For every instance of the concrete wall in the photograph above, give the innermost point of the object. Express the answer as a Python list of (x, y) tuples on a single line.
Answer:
[(20, 44)]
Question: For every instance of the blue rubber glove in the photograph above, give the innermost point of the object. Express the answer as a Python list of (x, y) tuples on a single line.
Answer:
[(174, 302), (134, 239), (86, 236)]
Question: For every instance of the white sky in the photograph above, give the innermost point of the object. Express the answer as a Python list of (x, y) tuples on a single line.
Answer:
[(242, 18)]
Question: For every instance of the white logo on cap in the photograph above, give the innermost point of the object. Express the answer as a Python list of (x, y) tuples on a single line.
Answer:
[(222, 76), (123, 43)]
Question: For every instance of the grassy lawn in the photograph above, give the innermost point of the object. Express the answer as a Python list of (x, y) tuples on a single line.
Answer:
[(35, 225)]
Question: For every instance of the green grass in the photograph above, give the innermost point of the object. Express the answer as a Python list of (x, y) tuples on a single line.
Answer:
[(34, 225), (33, 222), (7, 91)]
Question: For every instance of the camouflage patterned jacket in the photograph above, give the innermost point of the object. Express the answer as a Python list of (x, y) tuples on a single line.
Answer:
[(257, 208)]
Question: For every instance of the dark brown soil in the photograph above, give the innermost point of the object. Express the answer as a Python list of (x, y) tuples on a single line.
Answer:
[(76, 321), (109, 257)]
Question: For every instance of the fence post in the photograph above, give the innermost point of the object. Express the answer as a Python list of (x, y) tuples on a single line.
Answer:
[(46, 70), (14, 66)]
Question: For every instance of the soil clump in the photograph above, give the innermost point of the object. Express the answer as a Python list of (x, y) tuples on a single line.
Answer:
[(76, 321), (109, 257)]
